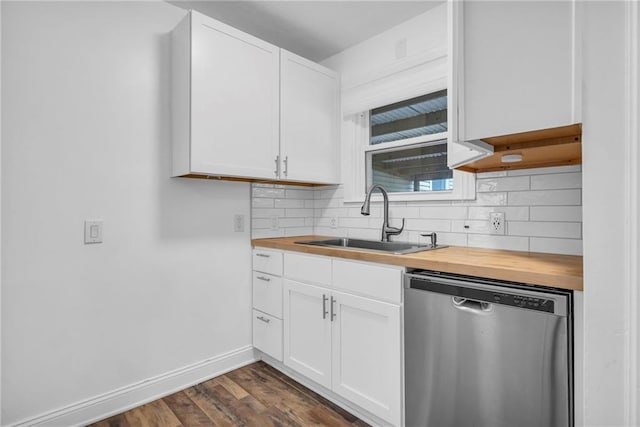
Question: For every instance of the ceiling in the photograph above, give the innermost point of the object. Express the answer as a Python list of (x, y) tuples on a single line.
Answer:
[(313, 29)]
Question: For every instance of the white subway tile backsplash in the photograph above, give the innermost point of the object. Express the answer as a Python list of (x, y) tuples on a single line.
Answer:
[(289, 203), (444, 212), (404, 212), (542, 209), (502, 184), (545, 171), (489, 199), (258, 202), (570, 230), (545, 198), (290, 222), (267, 192), (266, 233), (295, 193), (348, 222), (428, 225), (556, 181), (260, 223), (266, 213), (363, 233), (515, 213), (556, 213), (470, 226), (299, 213), (297, 231), (490, 174), (556, 246)]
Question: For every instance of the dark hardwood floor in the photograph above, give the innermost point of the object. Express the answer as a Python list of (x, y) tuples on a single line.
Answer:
[(255, 395)]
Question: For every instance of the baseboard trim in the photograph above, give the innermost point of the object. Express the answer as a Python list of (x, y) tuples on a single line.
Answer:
[(131, 396)]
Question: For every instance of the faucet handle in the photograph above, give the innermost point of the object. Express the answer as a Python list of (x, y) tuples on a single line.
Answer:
[(395, 230), (434, 238)]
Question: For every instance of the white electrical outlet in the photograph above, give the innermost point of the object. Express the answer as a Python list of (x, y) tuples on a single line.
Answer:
[(274, 222), (334, 222), (238, 223), (496, 223)]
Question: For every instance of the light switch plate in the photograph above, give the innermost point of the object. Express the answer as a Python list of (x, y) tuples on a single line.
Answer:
[(93, 231)]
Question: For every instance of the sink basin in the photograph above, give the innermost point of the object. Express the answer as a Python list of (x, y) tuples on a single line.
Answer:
[(371, 245)]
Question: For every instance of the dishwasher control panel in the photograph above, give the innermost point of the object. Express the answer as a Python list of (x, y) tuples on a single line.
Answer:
[(523, 301)]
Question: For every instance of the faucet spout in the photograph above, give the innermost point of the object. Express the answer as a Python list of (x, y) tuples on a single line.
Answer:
[(387, 230)]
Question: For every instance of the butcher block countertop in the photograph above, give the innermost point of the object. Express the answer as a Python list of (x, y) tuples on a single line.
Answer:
[(558, 271)]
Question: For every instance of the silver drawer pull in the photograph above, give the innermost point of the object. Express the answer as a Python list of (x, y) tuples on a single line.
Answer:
[(263, 319), (263, 255), (266, 279)]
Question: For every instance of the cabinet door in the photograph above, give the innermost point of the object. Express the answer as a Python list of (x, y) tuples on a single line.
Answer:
[(367, 355), (518, 67), (307, 331), (309, 121), (235, 101)]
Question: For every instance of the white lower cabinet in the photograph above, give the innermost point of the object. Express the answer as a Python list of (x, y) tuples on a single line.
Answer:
[(350, 344), (365, 349), (307, 331), (267, 334)]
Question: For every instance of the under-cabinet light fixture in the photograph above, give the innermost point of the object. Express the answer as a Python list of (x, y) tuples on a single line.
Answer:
[(511, 158)]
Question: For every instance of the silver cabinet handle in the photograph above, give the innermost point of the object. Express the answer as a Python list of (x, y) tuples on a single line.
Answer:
[(277, 160), (324, 306), (265, 279), (286, 166), (263, 255), (333, 314), (263, 319)]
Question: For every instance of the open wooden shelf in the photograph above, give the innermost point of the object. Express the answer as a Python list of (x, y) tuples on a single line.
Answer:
[(559, 146)]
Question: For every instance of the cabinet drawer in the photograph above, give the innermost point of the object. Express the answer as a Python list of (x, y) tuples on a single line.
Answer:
[(308, 268), (267, 293), (375, 281), (267, 334), (267, 261)]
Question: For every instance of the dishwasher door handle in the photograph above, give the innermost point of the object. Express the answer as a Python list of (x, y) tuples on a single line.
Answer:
[(472, 306)]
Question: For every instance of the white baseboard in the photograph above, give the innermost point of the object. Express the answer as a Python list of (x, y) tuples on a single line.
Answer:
[(123, 399)]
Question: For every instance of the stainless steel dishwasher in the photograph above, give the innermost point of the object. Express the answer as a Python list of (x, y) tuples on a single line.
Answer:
[(486, 353)]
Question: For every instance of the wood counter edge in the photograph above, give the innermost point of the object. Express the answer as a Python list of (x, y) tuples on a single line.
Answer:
[(569, 277)]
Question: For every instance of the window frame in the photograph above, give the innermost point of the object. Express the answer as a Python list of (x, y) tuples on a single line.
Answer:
[(356, 143)]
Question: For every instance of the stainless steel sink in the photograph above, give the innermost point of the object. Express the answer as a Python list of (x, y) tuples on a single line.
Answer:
[(371, 245)]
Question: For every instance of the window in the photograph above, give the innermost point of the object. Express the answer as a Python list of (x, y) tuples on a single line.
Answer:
[(407, 150), (403, 147)]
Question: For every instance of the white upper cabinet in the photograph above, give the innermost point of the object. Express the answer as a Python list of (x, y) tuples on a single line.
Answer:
[(309, 120), (239, 111), (225, 101), (512, 70)]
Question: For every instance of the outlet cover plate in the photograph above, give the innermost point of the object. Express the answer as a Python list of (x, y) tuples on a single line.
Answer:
[(496, 223)]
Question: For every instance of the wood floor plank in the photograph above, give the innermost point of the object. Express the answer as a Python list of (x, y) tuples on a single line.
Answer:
[(243, 412), (256, 395), (328, 417), (114, 421), (231, 386), (136, 417), (201, 398), (158, 414), (185, 410)]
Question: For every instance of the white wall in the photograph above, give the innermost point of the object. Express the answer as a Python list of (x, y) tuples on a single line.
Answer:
[(609, 361), (85, 105)]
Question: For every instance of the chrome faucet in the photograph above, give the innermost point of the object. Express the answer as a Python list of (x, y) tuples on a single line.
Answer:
[(387, 230)]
